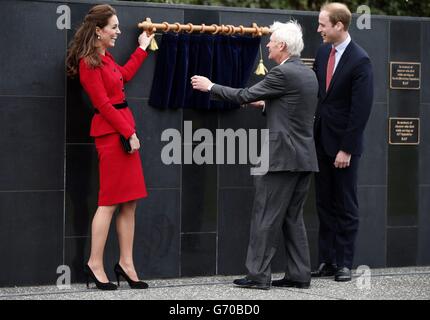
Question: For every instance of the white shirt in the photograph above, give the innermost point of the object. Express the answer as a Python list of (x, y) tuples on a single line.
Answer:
[(340, 49), (284, 61)]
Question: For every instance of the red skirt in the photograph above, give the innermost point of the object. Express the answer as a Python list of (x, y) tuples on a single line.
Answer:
[(121, 173)]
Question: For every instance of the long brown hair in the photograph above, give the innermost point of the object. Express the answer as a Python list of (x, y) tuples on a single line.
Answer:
[(84, 43)]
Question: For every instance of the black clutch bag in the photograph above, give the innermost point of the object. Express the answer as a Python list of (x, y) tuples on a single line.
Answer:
[(125, 144)]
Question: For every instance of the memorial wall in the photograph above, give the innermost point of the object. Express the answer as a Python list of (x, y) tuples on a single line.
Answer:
[(195, 221)]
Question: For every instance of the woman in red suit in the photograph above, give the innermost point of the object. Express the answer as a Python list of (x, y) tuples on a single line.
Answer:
[(121, 175)]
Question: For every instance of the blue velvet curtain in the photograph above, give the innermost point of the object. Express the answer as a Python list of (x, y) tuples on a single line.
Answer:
[(226, 60)]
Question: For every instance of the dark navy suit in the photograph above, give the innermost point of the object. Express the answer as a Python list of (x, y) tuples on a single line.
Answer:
[(340, 119)]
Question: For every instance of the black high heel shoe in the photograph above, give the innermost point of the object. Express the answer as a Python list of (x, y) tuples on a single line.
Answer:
[(119, 271), (100, 285)]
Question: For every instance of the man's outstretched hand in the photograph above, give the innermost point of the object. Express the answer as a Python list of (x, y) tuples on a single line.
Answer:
[(200, 83)]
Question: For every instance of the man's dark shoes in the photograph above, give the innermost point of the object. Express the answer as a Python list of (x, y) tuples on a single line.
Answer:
[(343, 274), (324, 270), (290, 284), (247, 283)]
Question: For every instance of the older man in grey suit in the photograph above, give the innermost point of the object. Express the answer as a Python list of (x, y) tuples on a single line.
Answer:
[(289, 95)]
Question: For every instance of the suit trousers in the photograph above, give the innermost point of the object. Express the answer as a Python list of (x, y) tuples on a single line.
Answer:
[(278, 206), (337, 206)]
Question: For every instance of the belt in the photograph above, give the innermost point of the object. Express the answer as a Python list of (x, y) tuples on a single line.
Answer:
[(116, 106)]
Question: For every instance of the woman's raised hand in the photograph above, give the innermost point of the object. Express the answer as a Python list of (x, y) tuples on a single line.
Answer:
[(145, 40)]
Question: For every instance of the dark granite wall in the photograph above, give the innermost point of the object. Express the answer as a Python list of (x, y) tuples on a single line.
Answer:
[(196, 218)]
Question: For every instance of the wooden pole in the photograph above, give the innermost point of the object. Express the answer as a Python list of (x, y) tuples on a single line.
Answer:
[(151, 28)]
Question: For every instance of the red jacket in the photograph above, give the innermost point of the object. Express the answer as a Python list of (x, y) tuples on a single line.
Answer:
[(105, 87)]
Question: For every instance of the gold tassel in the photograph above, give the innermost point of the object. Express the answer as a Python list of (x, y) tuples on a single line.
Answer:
[(261, 68), (153, 45)]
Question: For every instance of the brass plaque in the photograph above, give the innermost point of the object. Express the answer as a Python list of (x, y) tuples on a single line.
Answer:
[(405, 75), (404, 131)]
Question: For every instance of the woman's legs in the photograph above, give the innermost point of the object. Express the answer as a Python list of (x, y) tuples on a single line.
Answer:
[(125, 229), (99, 232)]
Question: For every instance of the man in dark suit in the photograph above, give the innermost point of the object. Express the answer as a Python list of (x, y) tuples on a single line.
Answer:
[(289, 91), (345, 96)]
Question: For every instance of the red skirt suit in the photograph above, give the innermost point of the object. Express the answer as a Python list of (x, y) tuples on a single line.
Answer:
[(121, 174)]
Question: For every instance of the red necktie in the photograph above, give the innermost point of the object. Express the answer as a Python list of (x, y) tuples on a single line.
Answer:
[(330, 67)]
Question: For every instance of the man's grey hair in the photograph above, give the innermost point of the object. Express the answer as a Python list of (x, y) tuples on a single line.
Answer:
[(291, 34)]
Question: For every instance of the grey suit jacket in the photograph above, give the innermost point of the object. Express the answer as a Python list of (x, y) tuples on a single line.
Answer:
[(290, 93)]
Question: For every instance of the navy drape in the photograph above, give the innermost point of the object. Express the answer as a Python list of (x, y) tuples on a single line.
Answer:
[(226, 60)]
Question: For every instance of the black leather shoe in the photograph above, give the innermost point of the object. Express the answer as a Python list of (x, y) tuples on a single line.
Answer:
[(290, 284), (100, 285), (343, 274), (324, 270), (119, 271), (247, 283)]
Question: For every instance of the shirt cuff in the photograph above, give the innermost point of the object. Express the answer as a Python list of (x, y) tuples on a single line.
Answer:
[(210, 87)]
